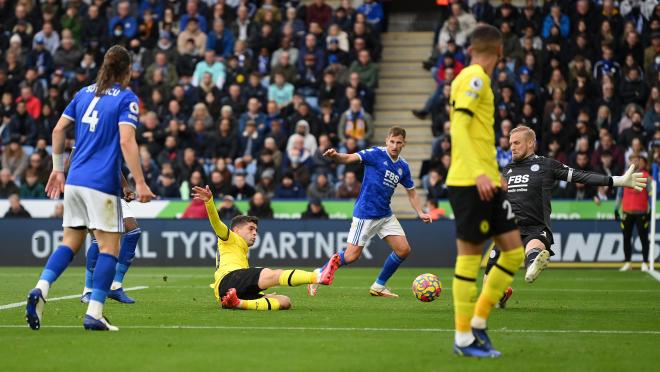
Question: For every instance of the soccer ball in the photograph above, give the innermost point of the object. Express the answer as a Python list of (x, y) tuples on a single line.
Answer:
[(427, 287)]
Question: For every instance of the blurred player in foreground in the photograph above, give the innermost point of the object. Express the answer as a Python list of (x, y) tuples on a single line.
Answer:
[(239, 286), (480, 207), (105, 115), (385, 168)]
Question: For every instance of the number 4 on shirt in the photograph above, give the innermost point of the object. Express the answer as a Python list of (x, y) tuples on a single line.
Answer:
[(91, 116)]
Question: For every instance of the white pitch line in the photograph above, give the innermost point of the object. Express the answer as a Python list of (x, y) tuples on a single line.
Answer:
[(357, 329), (19, 304), (655, 275)]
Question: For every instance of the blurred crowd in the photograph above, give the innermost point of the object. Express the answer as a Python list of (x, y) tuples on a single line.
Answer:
[(243, 95), (585, 75)]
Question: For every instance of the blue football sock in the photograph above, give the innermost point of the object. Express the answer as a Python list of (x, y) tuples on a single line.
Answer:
[(127, 253), (389, 267), (92, 256), (57, 263), (103, 274)]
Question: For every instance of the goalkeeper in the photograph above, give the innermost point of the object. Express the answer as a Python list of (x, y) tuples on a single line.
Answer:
[(239, 286), (530, 179)]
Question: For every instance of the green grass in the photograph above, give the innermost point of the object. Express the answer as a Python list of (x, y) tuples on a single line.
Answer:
[(341, 329)]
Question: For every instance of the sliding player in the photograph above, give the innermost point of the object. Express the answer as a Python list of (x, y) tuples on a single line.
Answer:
[(530, 179), (239, 286), (385, 168), (480, 207), (105, 118)]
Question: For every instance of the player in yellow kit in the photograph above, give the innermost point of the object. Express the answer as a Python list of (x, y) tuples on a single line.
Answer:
[(239, 286), (480, 206)]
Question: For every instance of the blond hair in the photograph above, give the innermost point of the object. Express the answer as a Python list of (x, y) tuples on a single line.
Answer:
[(527, 131)]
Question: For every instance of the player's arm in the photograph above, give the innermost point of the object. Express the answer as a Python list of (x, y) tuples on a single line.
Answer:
[(129, 149), (413, 198), (205, 195), (341, 157), (55, 185), (629, 179)]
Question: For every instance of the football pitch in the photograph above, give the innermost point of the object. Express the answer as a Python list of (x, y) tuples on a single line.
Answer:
[(579, 320)]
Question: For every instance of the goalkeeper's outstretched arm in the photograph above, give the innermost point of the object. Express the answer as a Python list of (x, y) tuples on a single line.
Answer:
[(629, 179)]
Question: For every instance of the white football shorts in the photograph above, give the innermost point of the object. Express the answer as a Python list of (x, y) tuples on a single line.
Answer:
[(362, 230), (93, 209)]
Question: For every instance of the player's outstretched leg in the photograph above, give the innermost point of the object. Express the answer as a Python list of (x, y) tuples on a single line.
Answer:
[(505, 297), (57, 263), (314, 287), (90, 263), (126, 255)]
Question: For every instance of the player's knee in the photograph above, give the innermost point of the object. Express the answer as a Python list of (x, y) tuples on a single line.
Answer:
[(403, 251)]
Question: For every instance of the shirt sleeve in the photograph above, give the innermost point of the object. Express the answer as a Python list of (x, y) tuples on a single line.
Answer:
[(406, 179), (130, 110), (368, 156), (221, 230), (565, 173), (468, 94), (70, 110)]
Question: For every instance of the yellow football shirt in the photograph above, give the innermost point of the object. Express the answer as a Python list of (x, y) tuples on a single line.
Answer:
[(472, 141), (232, 249)]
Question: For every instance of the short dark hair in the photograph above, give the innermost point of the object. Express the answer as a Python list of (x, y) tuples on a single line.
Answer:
[(241, 220), (397, 131), (486, 39)]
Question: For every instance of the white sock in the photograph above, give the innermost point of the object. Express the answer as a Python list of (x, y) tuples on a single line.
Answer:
[(377, 286), (463, 339), (478, 322), (115, 285), (44, 286), (87, 290), (95, 309)]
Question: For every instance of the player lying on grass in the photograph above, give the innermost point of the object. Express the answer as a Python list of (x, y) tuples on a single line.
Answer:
[(129, 241), (385, 169), (530, 179), (239, 286)]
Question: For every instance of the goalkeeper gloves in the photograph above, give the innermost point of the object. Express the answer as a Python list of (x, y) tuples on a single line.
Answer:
[(631, 179)]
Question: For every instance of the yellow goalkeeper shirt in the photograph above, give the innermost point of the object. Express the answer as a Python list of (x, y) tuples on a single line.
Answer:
[(472, 118), (232, 249)]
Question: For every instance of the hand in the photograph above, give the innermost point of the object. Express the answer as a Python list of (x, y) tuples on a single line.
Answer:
[(55, 185), (203, 194), (485, 188), (144, 194), (330, 153), (426, 218), (617, 216), (128, 194), (630, 179)]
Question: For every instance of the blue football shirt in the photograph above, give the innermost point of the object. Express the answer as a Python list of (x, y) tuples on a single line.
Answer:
[(96, 163), (381, 176)]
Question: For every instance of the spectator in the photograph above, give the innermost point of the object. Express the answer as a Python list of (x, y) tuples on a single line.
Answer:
[(48, 37), (451, 31), (374, 13), (225, 142), (228, 209), (212, 66), (318, 12), (321, 188), (289, 188), (243, 28), (14, 159), (192, 32), (504, 156), (166, 186), (32, 188), (72, 21), (253, 114), (315, 211), (196, 209), (188, 165), (250, 142), (220, 183), (241, 190), (22, 127), (349, 188), (633, 88), (128, 22), (192, 13), (94, 27), (367, 70), (558, 20), (7, 185), (636, 131), (16, 209), (37, 165), (281, 91), (166, 69), (435, 186), (303, 130), (266, 184), (356, 123), (220, 40), (32, 103), (260, 207), (68, 55)]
